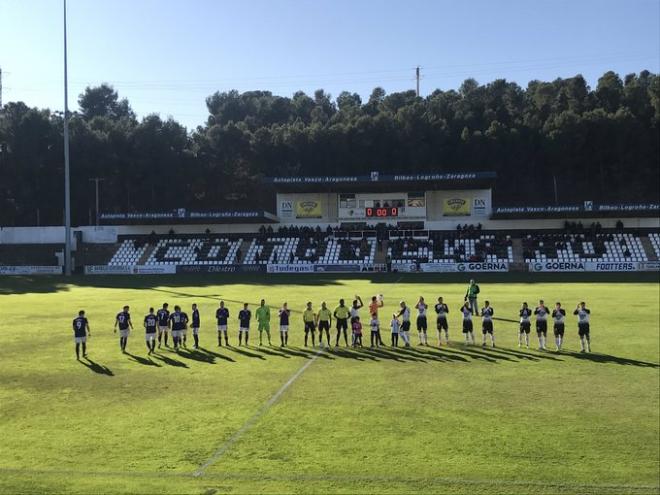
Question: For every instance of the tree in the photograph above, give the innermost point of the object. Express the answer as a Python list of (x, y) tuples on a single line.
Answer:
[(103, 101)]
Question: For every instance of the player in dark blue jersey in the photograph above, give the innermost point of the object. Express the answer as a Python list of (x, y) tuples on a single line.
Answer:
[(195, 325), (80, 333), (244, 323), (178, 321), (222, 316), (150, 323), (163, 316), (123, 321), (284, 314)]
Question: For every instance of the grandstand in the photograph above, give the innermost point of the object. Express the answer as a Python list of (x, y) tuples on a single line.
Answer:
[(612, 247), (433, 222)]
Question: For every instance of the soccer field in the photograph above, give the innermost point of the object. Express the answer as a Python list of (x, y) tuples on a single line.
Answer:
[(454, 419)]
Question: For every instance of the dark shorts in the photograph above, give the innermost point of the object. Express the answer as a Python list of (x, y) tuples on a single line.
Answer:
[(559, 329), (542, 326), (421, 323), (525, 326), (342, 323), (405, 326), (309, 326), (442, 324), (583, 329), (467, 326), (487, 326), (324, 325)]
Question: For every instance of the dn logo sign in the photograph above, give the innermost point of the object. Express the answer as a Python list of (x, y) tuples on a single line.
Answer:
[(479, 206)]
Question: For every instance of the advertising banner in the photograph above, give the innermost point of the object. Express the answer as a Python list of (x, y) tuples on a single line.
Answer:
[(282, 268), (465, 267), (593, 266), (108, 270), (130, 270), (30, 270), (649, 266), (313, 268), (457, 206), (308, 209), (220, 268), (337, 268)]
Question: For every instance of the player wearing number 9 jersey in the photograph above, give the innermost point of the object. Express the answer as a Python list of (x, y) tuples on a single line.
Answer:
[(80, 333)]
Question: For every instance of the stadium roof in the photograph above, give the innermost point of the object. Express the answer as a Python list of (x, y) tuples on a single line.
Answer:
[(377, 182)]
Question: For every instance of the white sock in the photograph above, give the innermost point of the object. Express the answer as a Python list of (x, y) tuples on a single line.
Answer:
[(447, 335), (492, 339), (520, 338), (559, 342), (472, 337)]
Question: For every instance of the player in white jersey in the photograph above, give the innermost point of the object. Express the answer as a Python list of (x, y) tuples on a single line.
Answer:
[(525, 324), (583, 315), (442, 310), (487, 313), (404, 313), (422, 324), (468, 329), (558, 315), (542, 314)]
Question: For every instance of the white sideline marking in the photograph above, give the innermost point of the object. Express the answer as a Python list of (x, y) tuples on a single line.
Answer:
[(254, 418)]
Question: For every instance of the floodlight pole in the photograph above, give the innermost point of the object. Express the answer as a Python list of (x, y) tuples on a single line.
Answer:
[(67, 186), (96, 181)]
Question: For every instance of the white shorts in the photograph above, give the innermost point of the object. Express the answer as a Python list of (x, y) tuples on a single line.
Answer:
[(80, 340), (284, 328), (124, 333), (195, 331), (183, 332), (162, 329), (222, 328), (242, 329), (149, 337), (177, 333)]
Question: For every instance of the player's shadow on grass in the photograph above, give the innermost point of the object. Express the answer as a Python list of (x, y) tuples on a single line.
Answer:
[(240, 350), (96, 367), (349, 353), (172, 362), (609, 359), (293, 352), (142, 360), (195, 355), (272, 352), (394, 356), (216, 354), (433, 355), (311, 354), (525, 355)]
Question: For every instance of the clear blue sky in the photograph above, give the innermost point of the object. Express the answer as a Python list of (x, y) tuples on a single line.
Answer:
[(166, 56)]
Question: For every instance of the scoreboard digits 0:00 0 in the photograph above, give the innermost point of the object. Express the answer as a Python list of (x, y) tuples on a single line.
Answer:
[(391, 211)]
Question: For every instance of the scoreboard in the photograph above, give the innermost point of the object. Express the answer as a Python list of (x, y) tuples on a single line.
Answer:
[(385, 212)]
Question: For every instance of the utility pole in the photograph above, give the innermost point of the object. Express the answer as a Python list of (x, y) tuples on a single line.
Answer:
[(96, 181), (67, 192), (417, 78)]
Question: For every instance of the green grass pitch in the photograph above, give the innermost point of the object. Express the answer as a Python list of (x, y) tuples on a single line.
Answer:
[(428, 420)]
